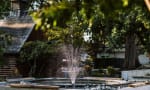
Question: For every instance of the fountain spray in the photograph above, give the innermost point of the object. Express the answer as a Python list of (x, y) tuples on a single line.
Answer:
[(72, 56)]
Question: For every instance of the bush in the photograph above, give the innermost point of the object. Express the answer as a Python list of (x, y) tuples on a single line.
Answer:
[(111, 71), (38, 59)]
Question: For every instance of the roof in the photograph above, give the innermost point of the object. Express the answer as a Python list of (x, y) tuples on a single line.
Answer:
[(19, 28)]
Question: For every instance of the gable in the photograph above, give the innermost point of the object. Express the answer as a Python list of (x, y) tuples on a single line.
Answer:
[(19, 29)]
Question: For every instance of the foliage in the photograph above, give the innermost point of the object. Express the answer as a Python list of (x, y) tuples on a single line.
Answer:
[(38, 4), (89, 61), (5, 40), (134, 20), (131, 30), (98, 74), (100, 31), (1, 55), (111, 71), (62, 19), (4, 7), (53, 15), (72, 34), (62, 22), (40, 58), (108, 22), (32, 51)]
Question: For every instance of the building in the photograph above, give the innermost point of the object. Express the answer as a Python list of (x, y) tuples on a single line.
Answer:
[(19, 7), (21, 28), (114, 58)]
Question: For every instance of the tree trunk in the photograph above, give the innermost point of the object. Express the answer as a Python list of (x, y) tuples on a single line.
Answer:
[(130, 52)]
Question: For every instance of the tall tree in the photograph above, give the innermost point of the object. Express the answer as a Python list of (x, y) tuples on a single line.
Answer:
[(133, 20), (131, 26), (98, 17)]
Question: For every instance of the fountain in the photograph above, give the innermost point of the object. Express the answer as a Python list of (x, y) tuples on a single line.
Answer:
[(71, 81), (72, 59)]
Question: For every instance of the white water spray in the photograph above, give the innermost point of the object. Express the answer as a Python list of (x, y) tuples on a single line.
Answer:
[(73, 61)]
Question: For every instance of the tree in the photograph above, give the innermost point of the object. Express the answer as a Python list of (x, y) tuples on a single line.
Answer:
[(128, 25), (62, 21), (98, 17), (55, 17), (130, 30), (4, 8), (67, 20)]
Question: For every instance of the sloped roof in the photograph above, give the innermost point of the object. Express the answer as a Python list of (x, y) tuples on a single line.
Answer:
[(19, 28)]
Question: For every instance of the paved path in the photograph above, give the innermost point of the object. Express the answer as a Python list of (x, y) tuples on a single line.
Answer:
[(147, 87)]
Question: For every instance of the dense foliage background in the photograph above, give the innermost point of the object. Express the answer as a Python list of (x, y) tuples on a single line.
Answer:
[(107, 23)]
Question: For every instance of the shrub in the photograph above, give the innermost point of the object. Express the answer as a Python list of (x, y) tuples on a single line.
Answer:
[(38, 59), (111, 71)]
